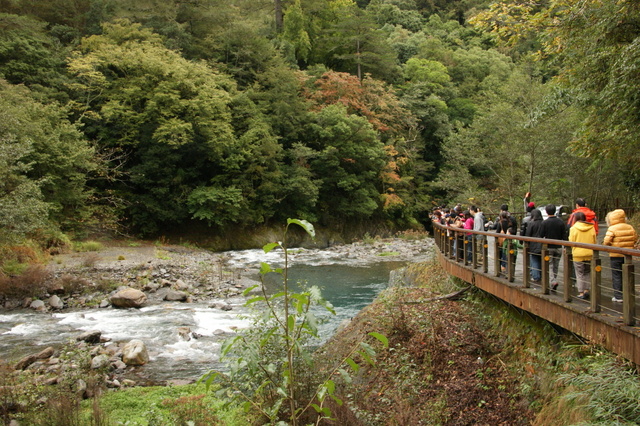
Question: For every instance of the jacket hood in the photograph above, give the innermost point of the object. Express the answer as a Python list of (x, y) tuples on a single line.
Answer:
[(616, 216), (583, 226)]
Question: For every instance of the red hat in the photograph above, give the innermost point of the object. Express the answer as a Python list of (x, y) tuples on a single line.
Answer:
[(531, 205)]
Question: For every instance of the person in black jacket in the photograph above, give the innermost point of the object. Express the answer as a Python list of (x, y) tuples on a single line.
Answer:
[(534, 229), (554, 228)]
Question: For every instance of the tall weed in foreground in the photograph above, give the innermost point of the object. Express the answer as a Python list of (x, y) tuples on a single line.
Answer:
[(606, 389), (271, 370)]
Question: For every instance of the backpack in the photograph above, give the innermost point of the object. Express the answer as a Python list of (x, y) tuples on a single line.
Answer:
[(502, 231)]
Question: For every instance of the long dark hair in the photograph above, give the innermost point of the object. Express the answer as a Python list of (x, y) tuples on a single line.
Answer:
[(536, 215)]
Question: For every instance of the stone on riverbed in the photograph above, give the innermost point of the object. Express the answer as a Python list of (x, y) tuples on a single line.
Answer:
[(128, 298), (135, 353), (176, 296)]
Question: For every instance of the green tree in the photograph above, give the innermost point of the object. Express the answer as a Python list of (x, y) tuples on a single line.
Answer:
[(31, 55), (354, 44), (349, 162), (510, 149), (170, 116), (45, 163)]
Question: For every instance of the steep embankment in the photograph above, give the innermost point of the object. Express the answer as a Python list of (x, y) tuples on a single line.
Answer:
[(464, 358)]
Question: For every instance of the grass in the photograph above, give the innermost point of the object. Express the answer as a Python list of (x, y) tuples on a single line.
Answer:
[(389, 253), (171, 405), (84, 246)]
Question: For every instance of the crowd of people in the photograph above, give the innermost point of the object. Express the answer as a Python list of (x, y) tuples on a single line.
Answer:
[(581, 227)]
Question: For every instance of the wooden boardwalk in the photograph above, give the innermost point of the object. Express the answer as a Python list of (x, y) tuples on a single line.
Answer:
[(611, 324)]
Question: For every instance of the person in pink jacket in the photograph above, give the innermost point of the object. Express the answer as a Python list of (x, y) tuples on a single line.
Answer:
[(619, 234)]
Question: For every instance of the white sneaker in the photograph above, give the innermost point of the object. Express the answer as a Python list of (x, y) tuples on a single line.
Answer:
[(614, 299)]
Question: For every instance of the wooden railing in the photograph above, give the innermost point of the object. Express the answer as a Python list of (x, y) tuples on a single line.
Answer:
[(480, 251)]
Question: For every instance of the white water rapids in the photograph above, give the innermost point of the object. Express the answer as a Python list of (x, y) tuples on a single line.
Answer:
[(348, 282)]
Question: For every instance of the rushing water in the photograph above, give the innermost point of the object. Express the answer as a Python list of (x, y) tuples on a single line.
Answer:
[(348, 284)]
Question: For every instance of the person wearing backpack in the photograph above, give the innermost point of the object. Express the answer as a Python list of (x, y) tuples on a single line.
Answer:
[(553, 228), (590, 215), (534, 229)]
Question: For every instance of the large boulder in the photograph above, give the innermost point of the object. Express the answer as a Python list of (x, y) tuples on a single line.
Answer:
[(135, 353), (128, 298)]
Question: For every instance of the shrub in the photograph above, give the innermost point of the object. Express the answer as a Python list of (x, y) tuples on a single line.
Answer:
[(271, 371), (30, 283), (88, 246), (90, 260)]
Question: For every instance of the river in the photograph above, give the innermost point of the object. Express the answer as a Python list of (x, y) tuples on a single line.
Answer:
[(349, 284)]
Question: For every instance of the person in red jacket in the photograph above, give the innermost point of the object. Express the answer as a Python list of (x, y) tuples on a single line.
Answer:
[(581, 206)]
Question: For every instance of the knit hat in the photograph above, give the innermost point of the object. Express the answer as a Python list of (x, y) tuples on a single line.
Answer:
[(531, 205)]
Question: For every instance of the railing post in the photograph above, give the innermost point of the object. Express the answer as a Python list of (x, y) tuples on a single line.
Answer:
[(544, 265), (596, 282), (628, 292), (465, 243), (474, 250), (485, 254), (526, 264), (566, 274), (511, 261), (496, 257)]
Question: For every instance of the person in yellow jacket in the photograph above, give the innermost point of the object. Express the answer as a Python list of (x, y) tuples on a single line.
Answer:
[(582, 232), (619, 234)]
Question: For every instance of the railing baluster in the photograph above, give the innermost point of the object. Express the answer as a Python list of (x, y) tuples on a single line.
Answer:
[(596, 282), (544, 265), (628, 292), (485, 254), (511, 261), (566, 274), (526, 264), (496, 257)]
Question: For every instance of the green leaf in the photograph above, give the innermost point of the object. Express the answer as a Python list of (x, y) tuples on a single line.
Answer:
[(228, 344), (268, 247), (367, 347), (345, 375), (291, 321), (331, 386), (308, 227), (248, 290), (264, 268), (337, 400), (383, 339), (254, 300), (354, 366), (281, 392), (210, 377)]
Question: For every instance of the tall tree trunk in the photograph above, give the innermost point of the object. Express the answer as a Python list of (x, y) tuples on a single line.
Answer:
[(279, 16), (358, 59)]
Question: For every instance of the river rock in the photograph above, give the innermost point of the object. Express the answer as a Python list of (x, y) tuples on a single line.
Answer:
[(99, 361), (25, 362), (38, 305), (176, 296), (56, 287), (128, 298), (135, 353), (92, 336), (55, 302), (184, 333), (46, 353), (180, 285), (104, 304)]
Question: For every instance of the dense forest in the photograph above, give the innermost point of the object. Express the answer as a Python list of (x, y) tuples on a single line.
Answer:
[(161, 114)]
